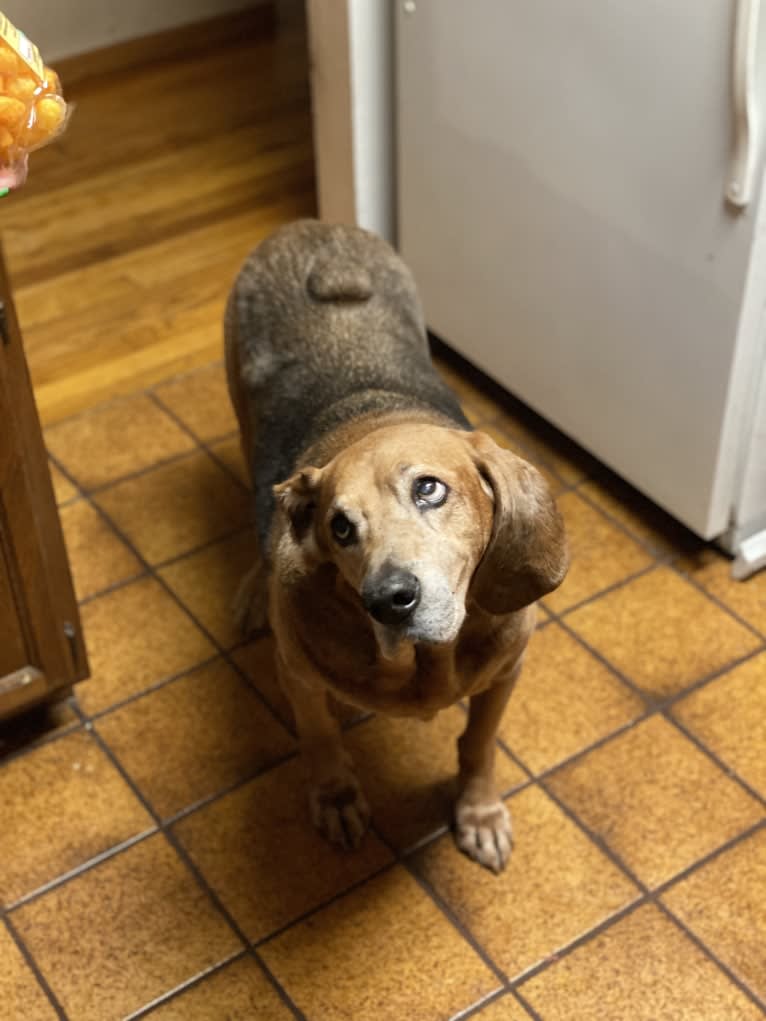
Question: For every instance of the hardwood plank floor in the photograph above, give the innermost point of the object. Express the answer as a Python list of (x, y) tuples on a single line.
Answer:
[(124, 243)]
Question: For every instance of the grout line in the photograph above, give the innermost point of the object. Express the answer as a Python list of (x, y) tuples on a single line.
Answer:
[(670, 701), (446, 910), (661, 556), (109, 589), (715, 599), (456, 922), (601, 593), (480, 1005), (552, 959), (187, 554), (526, 1005), (705, 860), (730, 974), (35, 969), (597, 839), (726, 769), (86, 866), (209, 799), (594, 652), (114, 707), (333, 899), (172, 994), (204, 444)]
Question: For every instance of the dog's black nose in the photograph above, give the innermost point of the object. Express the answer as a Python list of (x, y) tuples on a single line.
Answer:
[(392, 597)]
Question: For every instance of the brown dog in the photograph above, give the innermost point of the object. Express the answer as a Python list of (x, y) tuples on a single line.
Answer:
[(402, 553)]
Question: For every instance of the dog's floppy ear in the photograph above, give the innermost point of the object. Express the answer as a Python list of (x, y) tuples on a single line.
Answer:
[(526, 556), (298, 498)]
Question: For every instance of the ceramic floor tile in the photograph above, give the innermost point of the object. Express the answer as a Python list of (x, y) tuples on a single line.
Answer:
[(62, 487), (125, 932), (504, 440), (258, 850), (177, 507), (207, 582), (711, 569), (557, 886), (375, 955), (477, 406), (647, 793), (20, 991), (125, 436), (601, 554), (137, 636), (237, 992), (201, 400), (504, 1009), (730, 716), (544, 444), (230, 453), (97, 556), (63, 804), (194, 737), (724, 904), (408, 769), (662, 632), (643, 519), (643, 968), (564, 700)]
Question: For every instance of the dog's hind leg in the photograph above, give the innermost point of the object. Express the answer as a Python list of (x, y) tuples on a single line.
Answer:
[(250, 603)]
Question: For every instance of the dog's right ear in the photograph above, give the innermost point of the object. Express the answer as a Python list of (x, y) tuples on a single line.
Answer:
[(298, 498)]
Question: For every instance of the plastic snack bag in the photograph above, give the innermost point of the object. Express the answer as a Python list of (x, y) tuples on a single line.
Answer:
[(32, 108)]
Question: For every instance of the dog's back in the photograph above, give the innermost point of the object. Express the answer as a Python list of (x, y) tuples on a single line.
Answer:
[(324, 325)]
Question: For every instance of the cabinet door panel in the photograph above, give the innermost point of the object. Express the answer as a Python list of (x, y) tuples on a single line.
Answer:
[(41, 648)]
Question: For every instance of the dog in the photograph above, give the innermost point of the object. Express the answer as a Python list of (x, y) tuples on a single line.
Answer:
[(400, 552)]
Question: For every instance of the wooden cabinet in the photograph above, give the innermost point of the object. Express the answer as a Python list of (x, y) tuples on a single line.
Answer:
[(41, 647)]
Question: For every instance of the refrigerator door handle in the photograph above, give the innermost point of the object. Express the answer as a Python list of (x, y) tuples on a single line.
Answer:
[(747, 116)]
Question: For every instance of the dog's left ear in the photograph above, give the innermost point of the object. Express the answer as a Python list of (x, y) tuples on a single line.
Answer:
[(298, 498), (526, 556)]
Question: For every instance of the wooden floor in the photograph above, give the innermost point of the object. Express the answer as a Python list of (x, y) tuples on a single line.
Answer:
[(125, 240)]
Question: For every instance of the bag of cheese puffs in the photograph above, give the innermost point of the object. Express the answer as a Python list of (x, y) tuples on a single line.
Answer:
[(32, 107)]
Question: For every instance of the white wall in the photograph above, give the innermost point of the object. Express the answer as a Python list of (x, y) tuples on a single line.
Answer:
[(64, 28)]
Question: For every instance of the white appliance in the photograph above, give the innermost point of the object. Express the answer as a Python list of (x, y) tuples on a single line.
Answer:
[(580, 196)]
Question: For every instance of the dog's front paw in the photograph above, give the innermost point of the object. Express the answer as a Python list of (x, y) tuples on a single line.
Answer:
[(483, 832), (339, 810)]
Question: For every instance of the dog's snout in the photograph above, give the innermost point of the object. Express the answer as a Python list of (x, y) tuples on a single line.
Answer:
[(392, 598)]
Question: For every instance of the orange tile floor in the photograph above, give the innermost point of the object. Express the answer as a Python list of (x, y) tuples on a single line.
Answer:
[(157, 859)]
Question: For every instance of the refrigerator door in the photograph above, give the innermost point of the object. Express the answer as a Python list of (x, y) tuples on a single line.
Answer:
[(563, 177)]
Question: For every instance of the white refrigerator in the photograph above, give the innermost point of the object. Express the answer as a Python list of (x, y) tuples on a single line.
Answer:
[(580, 196)]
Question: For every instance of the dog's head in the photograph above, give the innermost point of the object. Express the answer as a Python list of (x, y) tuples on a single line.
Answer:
[(421, 520)]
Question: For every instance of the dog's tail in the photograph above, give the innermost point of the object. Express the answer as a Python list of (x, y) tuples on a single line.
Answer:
[(338, 277)]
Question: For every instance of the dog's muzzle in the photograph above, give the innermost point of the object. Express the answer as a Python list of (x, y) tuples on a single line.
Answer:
[(391, 597)]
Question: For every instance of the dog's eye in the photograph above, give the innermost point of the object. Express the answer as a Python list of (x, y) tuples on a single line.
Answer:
[(343, 529), (428, 491)]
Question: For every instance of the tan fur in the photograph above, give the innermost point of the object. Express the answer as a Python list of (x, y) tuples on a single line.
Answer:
[(482, 559)]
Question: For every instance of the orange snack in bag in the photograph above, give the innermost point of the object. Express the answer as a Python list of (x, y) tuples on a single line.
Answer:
[(32, 108)]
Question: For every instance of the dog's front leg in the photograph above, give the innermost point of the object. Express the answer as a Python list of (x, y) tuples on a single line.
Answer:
[(482, 822), (338, 806)]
